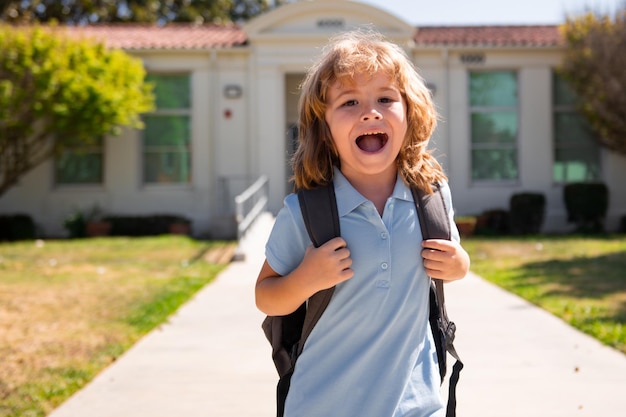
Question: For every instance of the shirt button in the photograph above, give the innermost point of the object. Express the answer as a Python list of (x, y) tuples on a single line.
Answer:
[(384, 265), (383, 235)]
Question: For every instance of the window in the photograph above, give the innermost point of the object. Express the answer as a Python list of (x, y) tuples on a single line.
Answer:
[(494, 125), (80, 164), (167, 133), (576, 154)]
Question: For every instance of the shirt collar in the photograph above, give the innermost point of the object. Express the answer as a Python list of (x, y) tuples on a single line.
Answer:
[(348, 198)]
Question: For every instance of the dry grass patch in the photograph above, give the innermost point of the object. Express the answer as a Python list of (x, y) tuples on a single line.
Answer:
[(70, 308)]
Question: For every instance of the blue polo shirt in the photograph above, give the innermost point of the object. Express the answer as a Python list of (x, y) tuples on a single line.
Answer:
[(371, 354)]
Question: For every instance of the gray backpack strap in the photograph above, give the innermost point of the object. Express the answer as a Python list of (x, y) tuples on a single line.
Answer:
[(316, 205), (288, 334), (434, 213), (435, 224)]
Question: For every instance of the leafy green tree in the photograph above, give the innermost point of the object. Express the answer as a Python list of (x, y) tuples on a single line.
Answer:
[(57, 92), (595, 67), (144, 11)]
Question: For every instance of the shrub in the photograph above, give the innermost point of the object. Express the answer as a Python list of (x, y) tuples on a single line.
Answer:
[(75, 225), (493, 222), (586, 205), (526, 213), (152, 225), (57, 92), (16, 227)]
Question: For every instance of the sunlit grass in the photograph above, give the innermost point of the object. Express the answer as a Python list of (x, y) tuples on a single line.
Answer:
[(70, 308), (579, 279)]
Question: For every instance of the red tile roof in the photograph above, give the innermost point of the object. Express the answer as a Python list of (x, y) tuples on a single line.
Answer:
[(181, 36), (173, 36), (534, 36)]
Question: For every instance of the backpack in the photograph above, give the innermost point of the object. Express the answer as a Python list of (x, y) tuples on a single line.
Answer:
[(288, 334)]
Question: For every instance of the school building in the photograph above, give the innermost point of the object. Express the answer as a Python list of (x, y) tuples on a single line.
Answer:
[(227, 111)]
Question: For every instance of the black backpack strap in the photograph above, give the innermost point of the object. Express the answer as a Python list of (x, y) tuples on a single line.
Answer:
[(435, 224), (317, 205), (287, 334), (432, 209)]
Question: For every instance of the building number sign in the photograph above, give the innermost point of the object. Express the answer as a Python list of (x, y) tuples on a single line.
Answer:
[(331, 23), (473, 59)]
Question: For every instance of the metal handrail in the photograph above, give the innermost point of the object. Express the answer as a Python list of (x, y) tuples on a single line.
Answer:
[(250, 203)]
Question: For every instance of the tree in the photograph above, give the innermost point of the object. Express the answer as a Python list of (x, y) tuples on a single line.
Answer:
[(82, 12), (594, 65), (57, 92)]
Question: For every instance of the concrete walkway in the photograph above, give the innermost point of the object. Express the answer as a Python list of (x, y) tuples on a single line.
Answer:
[(212, 360)]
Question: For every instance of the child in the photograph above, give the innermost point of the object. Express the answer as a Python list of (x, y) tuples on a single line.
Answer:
[(366, 117)]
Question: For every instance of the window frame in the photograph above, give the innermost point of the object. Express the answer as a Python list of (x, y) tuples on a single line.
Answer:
[(491, 109), (97, 148), (167, 112), (561, 108)]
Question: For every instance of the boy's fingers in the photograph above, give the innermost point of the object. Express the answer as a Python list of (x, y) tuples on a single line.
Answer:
[(336, 243), (433, 254), (436, 244)]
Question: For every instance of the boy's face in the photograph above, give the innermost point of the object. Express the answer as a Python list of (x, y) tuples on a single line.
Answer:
[(367, 120)]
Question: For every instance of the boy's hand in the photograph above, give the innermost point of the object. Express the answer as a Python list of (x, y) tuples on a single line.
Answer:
[(445, 259), (321, 268), (327, 265)]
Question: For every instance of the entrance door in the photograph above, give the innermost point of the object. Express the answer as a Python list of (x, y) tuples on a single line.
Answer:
[(292, 95)]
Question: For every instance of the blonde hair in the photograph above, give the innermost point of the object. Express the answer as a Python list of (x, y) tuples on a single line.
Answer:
[(346, 55)]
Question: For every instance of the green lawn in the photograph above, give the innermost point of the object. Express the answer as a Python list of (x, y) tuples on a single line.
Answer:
[(579, 279), (69, 308)]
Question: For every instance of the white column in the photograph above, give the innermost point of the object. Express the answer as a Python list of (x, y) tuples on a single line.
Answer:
[(270, 132)]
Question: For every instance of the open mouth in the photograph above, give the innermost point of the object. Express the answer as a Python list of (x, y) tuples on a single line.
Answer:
[(372, 142)]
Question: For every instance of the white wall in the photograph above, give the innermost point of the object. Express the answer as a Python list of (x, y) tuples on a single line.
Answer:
[(123, 191), (235, 140)]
